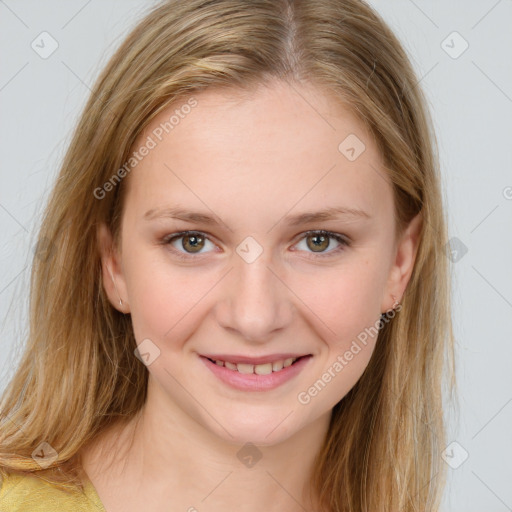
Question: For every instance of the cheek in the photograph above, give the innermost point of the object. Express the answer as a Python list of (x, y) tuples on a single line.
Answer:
[(347, 309), (163, 298), (346, 299)]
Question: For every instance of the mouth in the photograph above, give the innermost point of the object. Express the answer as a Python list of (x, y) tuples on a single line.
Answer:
[(267, 368), (256, 374)]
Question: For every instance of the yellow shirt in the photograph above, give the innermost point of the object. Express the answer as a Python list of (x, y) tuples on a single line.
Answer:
[(32, 494)]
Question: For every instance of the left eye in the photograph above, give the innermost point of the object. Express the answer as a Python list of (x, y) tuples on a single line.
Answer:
[(319, 241), (193, 241)]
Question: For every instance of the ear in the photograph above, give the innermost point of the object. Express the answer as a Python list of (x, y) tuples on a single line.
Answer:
[(402, 267), (113, 278)]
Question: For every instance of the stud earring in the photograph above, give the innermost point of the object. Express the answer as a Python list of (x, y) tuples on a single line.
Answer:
[(396, 303), (114, 281)]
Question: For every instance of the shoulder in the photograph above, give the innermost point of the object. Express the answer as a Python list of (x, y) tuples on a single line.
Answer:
[(22, 493)]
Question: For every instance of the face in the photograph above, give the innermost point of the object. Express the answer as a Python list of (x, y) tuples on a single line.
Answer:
[(230, 273)]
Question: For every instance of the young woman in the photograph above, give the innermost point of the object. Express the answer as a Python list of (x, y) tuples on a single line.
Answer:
[(241, 295)]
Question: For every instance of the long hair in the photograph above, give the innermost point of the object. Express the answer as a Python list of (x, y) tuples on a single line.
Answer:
[(78, 373)]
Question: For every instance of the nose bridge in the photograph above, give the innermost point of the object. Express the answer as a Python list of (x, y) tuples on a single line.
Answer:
[(258, 303)]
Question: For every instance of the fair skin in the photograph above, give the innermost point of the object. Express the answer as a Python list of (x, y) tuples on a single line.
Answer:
[(250, 161)]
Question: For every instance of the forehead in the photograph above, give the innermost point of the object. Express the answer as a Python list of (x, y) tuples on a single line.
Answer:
[(261, 151)]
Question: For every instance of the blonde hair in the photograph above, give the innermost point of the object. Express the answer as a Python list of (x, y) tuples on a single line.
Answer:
[(78, 373)]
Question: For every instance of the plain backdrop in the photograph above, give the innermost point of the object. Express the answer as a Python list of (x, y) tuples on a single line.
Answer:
[(462, 54)]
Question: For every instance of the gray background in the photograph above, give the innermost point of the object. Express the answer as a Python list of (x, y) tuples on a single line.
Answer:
[(471, 100)]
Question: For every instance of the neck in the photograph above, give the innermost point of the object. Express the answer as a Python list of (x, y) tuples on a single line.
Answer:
[(166, 454)]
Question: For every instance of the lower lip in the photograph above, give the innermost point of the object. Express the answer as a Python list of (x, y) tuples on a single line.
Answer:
[(252, 381)]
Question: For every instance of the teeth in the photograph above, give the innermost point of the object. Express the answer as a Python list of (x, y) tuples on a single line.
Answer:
[(277, 365), (245, 368), (258, 369), (263, 369)]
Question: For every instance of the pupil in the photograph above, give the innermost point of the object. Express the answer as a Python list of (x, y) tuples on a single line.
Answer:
[(318, 241), (194, 241)]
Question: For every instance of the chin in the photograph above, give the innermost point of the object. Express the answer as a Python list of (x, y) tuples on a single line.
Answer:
[(259, 427)]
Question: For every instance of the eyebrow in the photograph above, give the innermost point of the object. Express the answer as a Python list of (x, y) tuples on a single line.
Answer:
[(332, 213)]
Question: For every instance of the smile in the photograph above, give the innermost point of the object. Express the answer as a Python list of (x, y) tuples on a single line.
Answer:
[(258, 369), (256, 374)]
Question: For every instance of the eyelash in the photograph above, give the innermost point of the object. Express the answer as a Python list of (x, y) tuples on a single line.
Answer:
[(187, 256)]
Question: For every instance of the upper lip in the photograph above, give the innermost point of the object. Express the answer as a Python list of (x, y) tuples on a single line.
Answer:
[(270, 358)]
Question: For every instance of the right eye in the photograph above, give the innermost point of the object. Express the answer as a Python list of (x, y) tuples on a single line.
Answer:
[(191, 243)]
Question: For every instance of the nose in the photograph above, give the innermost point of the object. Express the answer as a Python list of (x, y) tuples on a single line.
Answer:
[(256, 302)]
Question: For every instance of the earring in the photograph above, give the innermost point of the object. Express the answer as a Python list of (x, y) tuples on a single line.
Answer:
[(114, 281), (396, 303)]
